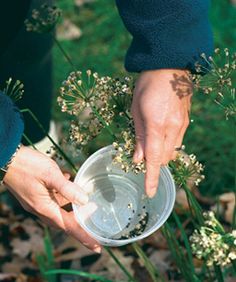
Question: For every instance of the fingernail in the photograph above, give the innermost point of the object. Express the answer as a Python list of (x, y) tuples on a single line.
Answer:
[(81, 198), (152, 192), (97, 250), (137, 156)]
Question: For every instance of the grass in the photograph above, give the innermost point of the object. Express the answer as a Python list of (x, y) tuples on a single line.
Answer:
[(102, 48)]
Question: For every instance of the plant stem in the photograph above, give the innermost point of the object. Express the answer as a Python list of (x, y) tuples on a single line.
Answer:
[(48, 247), (156, 277), (64, 53), (194, 204), (122, 267), (178, 254), (93, 277), (234, 267), (63, 154), (29, 141), (219, 274), (234, 213), (186, 242), (103, 122)]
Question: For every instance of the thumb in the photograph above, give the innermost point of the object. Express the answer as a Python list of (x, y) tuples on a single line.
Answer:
[(71, 191)]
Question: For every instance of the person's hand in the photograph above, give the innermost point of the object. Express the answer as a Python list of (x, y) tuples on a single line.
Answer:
[(160, 108), (41, 188)]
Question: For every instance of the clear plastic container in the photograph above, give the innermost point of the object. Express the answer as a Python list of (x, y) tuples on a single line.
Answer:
[(124, 213)]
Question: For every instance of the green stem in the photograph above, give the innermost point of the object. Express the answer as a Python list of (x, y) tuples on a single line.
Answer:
[(178, 254), (77, 272), (29, 141), (63, 154), (156, 277), (194, 204), (234, 214), (219, 274), (122, 267), (48, 247), (234, 267), (186, 242), (64, 53)]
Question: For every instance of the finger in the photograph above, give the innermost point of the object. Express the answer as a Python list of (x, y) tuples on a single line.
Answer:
[(87, 210), (67, 175), (140, 136), (58, 198), (139, 150), (179, 140), (154, 144), (55, 216), (71, 191), (73, 228), (171, 140)]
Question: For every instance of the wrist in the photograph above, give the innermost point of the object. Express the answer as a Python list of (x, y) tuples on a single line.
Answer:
[(4, 169)]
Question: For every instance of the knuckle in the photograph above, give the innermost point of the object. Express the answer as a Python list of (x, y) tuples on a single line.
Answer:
[(68, 230), (153, 160), (154, 123), (175, 122), (48, 174)]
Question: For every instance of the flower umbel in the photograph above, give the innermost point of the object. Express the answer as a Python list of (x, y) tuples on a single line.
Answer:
[(44, 19), (94, 101), (212, 243), (218, 80), (14, 90), (187, 170)]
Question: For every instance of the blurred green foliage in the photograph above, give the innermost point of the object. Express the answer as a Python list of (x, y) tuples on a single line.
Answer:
[(102, 48)]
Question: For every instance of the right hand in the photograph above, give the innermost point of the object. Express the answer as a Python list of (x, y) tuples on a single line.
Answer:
[(160, 108), (41, 188)]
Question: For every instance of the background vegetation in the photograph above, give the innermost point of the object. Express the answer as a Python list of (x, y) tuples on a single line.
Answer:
[(102, 48)]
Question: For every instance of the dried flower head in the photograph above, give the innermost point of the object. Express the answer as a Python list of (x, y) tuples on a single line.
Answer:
[(94, 101), (44, 19), (218, 80), (14, 90), (125, 153)]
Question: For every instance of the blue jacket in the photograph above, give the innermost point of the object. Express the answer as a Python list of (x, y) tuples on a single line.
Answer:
[(11, 128), (166, 34)]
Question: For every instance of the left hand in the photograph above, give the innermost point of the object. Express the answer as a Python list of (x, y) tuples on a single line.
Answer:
[(160, 108), (39, 185)]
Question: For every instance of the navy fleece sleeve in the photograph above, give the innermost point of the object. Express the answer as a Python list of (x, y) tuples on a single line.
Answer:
[(166, 33), (11, 128)]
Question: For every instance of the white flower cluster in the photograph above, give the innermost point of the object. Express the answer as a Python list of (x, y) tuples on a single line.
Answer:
[(94, 101), (44, 19), (212, 244), (86, 98), (125, 153), (187, 169)]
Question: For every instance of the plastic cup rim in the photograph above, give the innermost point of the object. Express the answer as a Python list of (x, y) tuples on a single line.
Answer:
[(108, 242)]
